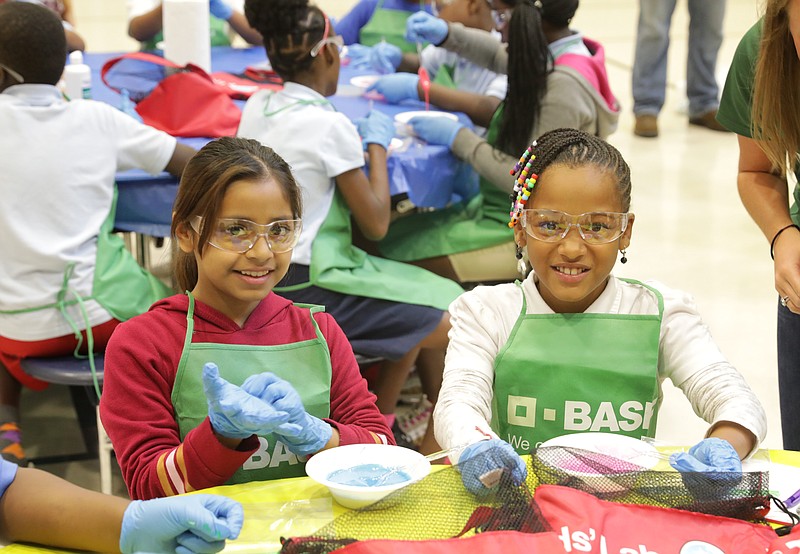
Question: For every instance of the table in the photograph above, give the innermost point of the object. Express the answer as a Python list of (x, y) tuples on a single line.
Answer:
[(428, 175), (298, 507)]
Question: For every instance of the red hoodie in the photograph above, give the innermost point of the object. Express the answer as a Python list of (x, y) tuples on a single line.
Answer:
[(140, 367)]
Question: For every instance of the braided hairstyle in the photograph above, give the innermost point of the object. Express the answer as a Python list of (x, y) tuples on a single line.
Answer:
[(290, 29), (529, 64), (206, 179), (572, 148)]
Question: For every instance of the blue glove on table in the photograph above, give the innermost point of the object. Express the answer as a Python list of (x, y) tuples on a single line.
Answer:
[(376, 128), (710, 469), (183, 524), (234, 412), (424, 27), (482, 462), (397, 87), (303, 434), (435, 130), (385, 57), (220, 9)]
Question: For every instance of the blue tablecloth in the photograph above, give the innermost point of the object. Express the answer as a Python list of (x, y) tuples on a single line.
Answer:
[(429, 175)]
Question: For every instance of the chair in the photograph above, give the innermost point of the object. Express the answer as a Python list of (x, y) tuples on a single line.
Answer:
[(77, 375)]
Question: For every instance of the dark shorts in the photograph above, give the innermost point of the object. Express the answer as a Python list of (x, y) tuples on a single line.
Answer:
[(374, 327)]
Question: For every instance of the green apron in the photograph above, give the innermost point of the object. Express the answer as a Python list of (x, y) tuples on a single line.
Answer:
[(589, 372), (387, 25), (305, 364), (481, 222), (445, 76), (218, 34), (339, 266), (121, 286)]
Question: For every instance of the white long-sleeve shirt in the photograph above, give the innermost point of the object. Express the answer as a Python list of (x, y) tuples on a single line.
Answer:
[(483, 319)]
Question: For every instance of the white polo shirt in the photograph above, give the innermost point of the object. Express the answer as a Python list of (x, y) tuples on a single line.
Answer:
[(57, 170), (318, 142)]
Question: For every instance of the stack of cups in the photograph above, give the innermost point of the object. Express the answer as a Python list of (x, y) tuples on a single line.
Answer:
[(186, 32)]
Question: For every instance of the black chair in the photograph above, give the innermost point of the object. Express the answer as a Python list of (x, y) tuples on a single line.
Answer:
[(77, 375)]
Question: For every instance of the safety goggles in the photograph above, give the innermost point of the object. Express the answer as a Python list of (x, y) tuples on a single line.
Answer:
[(593, 227), (13, 73), (336, 40), (240, 235)]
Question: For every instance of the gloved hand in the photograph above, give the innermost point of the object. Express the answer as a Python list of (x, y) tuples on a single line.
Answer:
[(183, 524), (360, 56), (424, 27), (376, 128), (397, 87), (481, 463), (385, 57), (303, 434), (220, 9), (234, 412), (710, 468), (435, 130)]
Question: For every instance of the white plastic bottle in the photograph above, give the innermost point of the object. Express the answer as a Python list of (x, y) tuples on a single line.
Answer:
[(77, 77)]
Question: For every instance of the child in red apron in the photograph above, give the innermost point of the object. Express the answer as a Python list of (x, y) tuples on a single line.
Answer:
[(573, 348), (230, 383)]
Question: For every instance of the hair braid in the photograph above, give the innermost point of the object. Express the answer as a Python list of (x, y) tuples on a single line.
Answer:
[(572, 148), (290, 29)]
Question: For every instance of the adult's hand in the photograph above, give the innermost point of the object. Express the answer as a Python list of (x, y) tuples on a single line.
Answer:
[(787, 268), (183, 524), (424, 27), (235, 413)]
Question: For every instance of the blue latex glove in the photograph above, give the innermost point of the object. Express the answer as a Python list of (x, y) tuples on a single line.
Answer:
[(710, 468), (359, 56), (303, 434), (234, 412), (183, 524), (376, 128), (397, 87), (385, 57), (220, 9), (424, 27), (436, 130), (482, 458)]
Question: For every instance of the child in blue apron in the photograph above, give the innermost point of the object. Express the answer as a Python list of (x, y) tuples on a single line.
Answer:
[(40, 508), (230, 383), (573, 348), (387, 309)]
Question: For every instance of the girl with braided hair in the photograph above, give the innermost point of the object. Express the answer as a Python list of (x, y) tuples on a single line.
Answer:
[(573, 348), (556, 78), (387, 309)]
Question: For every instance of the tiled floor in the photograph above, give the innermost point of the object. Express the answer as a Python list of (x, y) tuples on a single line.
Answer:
[(691, 229)]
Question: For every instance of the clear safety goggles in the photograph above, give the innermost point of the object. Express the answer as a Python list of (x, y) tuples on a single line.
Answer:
[(593, 227), (336, 40), (240, 235)]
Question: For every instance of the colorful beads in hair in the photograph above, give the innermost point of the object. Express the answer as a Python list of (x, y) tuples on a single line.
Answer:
[(523, 185)]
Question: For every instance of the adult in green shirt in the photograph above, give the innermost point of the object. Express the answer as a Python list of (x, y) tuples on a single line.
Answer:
[(761, 103)]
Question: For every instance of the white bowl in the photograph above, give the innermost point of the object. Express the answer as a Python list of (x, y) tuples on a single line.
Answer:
[(322, 465), (405, 117)]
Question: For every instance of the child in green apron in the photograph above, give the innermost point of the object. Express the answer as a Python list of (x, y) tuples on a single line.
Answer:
[(387, 309), (556, 78), (573, 348), (145, 22), (230, 383), (371, 22)]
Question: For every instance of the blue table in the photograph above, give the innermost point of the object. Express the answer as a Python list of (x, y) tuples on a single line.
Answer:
[(428, 175)]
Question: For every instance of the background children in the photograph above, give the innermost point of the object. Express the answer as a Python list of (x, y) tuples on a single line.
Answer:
[(469, 241), (385, 308), (62, 270), (370, 22), (145, 22), (63, 9), (179, 423), (41, 508), (521, 354)]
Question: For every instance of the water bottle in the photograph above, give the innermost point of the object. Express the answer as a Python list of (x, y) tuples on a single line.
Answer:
[(77, 77)]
